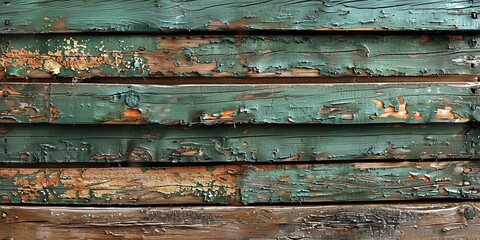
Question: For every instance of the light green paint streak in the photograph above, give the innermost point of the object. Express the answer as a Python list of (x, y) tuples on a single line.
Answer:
[(170, 15)]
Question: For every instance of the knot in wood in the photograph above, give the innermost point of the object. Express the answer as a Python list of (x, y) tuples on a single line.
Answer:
[(132, 99)]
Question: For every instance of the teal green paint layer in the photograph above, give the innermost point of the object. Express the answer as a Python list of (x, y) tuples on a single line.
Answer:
[(246, 143), (167, 15), (239, 183), (361, 182), (82, 56), (235, 104)]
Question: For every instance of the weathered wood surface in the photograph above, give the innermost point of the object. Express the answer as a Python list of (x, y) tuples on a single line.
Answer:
[(382, 221), (44, 56), (246, 184), (246, 143), (235, 104), (169, 15)]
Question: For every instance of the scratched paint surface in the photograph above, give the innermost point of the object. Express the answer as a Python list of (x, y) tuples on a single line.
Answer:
[(366, 221), (247, 184), (235, 104), (167, 15), (81, 56), (246, 143)]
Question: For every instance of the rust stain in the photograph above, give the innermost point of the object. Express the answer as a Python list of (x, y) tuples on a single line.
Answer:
[(130, 113), (390, 111), (54, 113), (9, 90)]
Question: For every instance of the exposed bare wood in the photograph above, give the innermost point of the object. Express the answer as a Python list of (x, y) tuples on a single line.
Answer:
[(382, 221)]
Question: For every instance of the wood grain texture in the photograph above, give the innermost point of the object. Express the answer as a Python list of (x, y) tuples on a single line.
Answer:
[(239, 104), (170, 15), (246, 184), (80, 56), (382, 221), (247, 143)]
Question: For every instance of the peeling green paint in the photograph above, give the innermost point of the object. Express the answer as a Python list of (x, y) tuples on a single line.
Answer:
[(234, 104), (358, 182), (81, 56), (243, 143), (169, 15), (246, 184)]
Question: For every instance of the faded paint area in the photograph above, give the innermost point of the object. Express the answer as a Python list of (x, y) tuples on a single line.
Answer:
[(360, 182), (168, 15), (242, 143), (83, 56), (250, 184), (68, 56), (117, 185)]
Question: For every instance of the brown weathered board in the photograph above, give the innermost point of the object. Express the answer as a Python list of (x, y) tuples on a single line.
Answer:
[(35, 143), (382, 221), (246, 184), (90, 55), (234, 104)]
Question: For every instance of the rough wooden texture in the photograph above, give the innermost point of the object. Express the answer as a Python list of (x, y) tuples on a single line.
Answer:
[(242, 183), (382, 221), (235, 104), (246, 143), (167, 15), (44, 56)]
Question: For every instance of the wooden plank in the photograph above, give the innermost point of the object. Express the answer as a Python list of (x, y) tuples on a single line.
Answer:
[(242, 183), (237, 104), (382, 221), (246, 143), (44, 56), (169, 15)]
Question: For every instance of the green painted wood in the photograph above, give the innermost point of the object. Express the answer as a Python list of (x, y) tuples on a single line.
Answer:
[(80, 56), (235, 104), (246, 143), (239, 183), (167, 15)]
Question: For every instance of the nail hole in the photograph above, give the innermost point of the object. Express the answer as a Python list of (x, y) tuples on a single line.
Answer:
[(474, 15)]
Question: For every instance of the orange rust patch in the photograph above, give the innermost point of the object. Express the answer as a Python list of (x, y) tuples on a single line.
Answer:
[(6, 88), (390, 111), (417, 116), (54, 113), (132, 113)]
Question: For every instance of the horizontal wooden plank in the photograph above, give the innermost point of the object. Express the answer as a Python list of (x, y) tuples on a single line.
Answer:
[(170, 15), (44, 56), (246, 143), (247, 184), (382, 221), (236, 104)]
